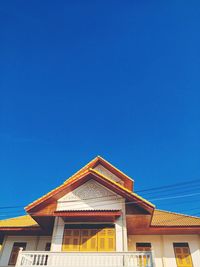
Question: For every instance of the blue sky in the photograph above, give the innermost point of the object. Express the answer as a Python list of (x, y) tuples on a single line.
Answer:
[(118, 79)]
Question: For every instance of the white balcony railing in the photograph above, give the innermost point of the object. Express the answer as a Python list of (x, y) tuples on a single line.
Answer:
[(84, 259)]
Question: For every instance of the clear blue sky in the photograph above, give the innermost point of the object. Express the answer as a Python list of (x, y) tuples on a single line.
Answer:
[(120, 79)]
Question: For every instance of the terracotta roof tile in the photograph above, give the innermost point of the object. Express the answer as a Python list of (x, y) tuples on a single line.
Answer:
[(166, 218)]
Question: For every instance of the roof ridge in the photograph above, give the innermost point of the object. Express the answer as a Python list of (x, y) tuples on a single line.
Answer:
[(101, 158)]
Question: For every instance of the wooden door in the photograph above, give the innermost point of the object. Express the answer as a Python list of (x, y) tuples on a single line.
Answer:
[(182, 254)]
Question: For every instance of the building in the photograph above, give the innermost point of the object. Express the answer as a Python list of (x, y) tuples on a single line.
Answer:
[(95, 219)]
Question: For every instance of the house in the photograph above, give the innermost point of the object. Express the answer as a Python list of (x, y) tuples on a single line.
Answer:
[(96, 219)]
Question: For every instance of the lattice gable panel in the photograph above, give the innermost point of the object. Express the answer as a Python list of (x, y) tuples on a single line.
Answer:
[(90, 196)]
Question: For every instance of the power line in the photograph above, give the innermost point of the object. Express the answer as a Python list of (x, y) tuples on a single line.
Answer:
[(169, 186), (150, 189), (128, 203), (122, 201), (172, 191)]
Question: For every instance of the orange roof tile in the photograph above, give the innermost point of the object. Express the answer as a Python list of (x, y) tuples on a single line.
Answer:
[(21, 221), (167, 218)]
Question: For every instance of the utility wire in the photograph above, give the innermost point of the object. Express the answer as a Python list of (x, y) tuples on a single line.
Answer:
[(150, 189), (169, 186), (128, 203)]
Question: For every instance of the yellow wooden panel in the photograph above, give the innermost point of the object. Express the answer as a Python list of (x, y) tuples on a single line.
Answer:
[(71, 240), (183, 257), (88, 241), (106, 239)]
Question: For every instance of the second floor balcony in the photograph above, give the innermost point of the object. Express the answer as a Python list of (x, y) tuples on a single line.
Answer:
[(84, 259)]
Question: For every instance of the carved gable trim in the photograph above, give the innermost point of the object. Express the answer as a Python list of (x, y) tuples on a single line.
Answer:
[(90, 196), (89, 190)]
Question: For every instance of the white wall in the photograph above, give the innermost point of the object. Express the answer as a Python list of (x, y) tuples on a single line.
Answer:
[(156, 244), (162, 245), (193, 242), (33, 243), (163, 250), (42, 242)]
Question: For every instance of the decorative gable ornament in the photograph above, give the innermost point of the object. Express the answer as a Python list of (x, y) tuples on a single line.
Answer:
[(90, 196)]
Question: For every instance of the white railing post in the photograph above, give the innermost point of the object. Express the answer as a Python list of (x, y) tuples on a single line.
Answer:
[(152, 259), (19, 257)]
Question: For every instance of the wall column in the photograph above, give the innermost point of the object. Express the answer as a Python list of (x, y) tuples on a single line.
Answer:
[(162, 250), (119, 233), (57, 236), (125, 237)]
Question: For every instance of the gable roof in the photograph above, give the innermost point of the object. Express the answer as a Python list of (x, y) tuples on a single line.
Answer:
[(90, 173), (128, 182), (167, 218)]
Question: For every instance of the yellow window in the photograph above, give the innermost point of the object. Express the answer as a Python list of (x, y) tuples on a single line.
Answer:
[(182, 254)]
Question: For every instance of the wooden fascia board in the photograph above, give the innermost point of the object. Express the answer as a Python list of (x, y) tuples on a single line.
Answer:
[(123, 192), (54, 192), (99, 178), (99, 160), (87, 213), (114, 170)]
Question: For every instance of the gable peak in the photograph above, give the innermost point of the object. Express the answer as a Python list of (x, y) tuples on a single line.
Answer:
[(104, 167)]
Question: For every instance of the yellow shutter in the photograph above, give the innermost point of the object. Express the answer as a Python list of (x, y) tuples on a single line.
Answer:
[(183, 257), (88, 240), (106, 239), (71, 240)]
